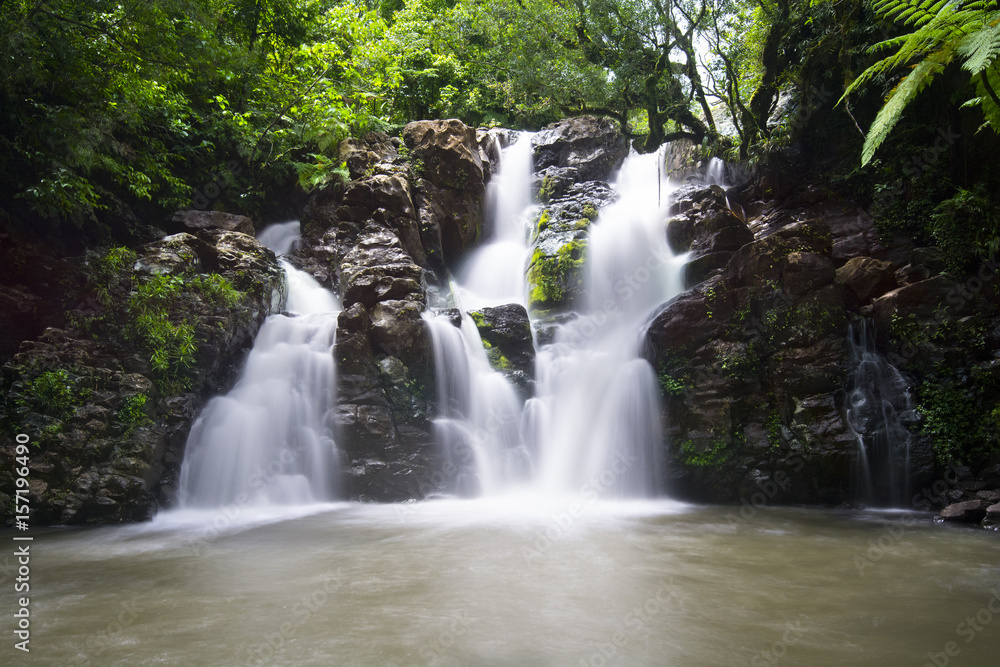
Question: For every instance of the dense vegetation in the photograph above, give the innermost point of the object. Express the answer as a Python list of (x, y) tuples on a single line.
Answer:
[(114, 114)]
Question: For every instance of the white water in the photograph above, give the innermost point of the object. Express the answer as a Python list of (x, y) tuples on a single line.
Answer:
[(593, 426), (494, 274), (715, 172), (269, 440), (878, 398)]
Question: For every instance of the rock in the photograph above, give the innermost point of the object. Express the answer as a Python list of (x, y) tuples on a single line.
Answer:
[(506, 334), (804, 272), (690, 320), (992, 518), (865, 279), (593, 146), (172, 255), (193, 219), (110, 449), (363, 154), (399, 330), (451, 185), (446, 153), (922, 301), (970, 511), (379, 269), (989, 496)]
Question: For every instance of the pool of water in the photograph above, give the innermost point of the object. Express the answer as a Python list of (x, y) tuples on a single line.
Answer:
[(516, 581)]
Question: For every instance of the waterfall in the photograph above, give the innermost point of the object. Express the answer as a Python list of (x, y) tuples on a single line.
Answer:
[(269, 440), (594, 424), (877, 398), (494, 273), (715, 172)]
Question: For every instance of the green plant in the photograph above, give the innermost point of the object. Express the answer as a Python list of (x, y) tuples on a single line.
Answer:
[(965, 227), (717, 454), (773, 426), (133, 413), (944, 30), (322, 171), (54, 393), (953, 422)]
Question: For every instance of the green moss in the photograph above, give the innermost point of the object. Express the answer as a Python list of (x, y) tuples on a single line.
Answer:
[(550, 278), (589, 212), (717, 454), (543, 222), (497, 359), (582, 223), (547, 189), (479, 319)]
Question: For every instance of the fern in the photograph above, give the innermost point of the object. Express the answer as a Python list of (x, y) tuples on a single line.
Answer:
[(944, 30)]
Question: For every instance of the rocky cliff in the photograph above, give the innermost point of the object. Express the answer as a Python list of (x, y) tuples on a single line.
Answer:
[(108, 400)]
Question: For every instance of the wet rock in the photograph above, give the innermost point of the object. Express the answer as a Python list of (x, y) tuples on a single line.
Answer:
[(193, 219), (445, 158), (399, 330), (172, 255), (992, 518), (379, 269), (804, 272), (506, 334), (593, 146), (110, 449), (970, 511)]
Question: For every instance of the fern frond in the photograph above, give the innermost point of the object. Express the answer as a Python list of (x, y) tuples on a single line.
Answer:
[(981, 47), (903, 94)]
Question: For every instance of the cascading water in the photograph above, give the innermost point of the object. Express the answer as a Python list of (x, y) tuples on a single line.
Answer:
[(594, 423), (715, 172), (877, 400), (494, 274), (268, 441)]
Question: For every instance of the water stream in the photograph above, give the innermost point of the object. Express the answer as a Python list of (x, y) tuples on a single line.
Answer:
[(877, 400), (593, 425), (269, 440)]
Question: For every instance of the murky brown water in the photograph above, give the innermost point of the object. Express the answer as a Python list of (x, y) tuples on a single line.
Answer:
[(516, 583)]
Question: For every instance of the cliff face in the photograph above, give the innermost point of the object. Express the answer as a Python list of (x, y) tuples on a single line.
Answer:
[(107, 401), (758, 370)]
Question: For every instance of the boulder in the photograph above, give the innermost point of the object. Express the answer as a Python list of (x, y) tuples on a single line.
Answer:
[(399, 330), (970, 511), (378, 269), (193, 219), (364, 153), (172, 255), (921, 300), (593, 146), (506, 334), (445, 158), (865, 279)]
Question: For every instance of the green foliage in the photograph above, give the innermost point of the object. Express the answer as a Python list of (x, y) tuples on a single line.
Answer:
[(55, 393), (171, 342), (166, 104), (717, 454), (133, 413), (966, 227), (773, 426), (954, 419), (943, 31)]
